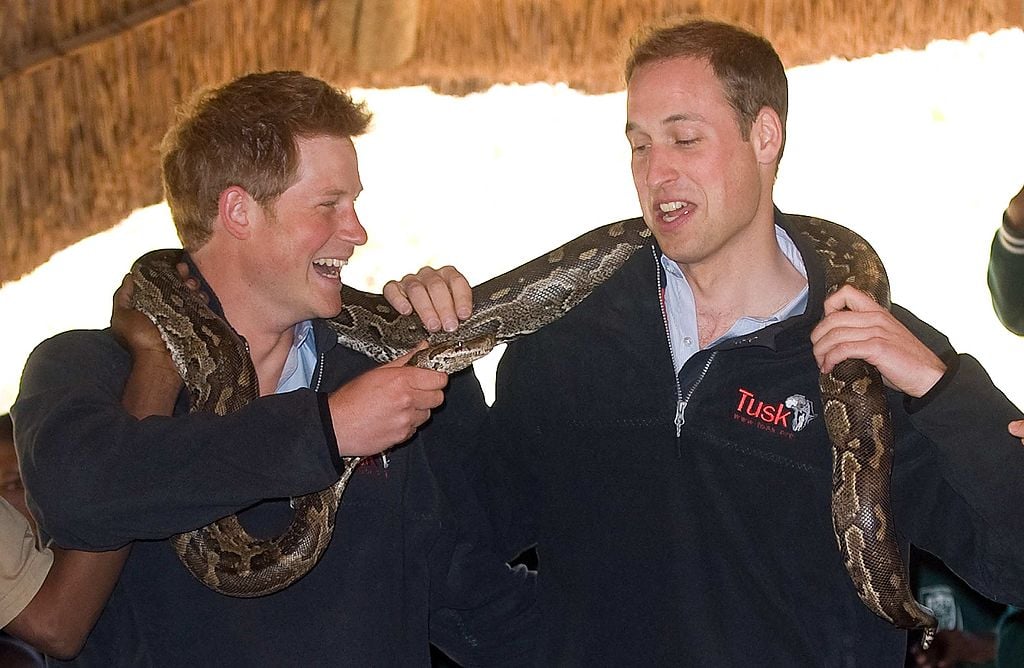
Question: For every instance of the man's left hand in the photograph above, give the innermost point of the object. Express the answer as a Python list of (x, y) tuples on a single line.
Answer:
[(441, 297), (856, 327)]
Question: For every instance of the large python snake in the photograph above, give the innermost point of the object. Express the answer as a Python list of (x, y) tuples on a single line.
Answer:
[(219, 375)]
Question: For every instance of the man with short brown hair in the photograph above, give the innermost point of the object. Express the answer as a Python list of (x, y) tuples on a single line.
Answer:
[(648, 443), (262, 177)]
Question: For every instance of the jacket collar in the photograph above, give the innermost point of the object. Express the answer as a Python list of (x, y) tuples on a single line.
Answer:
[(794, 329), (204, 286)]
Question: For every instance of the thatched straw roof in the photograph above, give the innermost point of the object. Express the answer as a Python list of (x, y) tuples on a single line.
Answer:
[(87, 87)]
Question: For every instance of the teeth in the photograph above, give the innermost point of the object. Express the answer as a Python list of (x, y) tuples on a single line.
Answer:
[(667, 207), (331, 262)]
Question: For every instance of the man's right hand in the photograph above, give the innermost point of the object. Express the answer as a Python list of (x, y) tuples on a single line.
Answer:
[(384, 406)]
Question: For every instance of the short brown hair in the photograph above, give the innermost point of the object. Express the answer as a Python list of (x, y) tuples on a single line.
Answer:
[(245, 133), (749, 69)]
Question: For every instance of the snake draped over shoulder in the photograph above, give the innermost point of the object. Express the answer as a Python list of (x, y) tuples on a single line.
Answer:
[(220, 378)]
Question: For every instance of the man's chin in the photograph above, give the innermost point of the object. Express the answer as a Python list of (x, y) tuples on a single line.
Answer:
[(328, 309)]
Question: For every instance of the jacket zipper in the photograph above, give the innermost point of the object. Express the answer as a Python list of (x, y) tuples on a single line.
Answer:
[(681, 408), (681, 401), (319, 373), (316, 388), (680, 404)]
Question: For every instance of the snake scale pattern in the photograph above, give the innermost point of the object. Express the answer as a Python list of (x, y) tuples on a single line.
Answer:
[(219, 375)]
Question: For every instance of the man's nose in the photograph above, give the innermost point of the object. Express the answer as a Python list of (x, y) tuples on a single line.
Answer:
[(352, 230), (661, 167)]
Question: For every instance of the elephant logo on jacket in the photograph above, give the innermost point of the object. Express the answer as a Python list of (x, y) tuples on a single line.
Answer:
[(803, 411)]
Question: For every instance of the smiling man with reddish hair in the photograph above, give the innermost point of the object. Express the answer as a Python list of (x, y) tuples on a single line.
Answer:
[(262, 177)]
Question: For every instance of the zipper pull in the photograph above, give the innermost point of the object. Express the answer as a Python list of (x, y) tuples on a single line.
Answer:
[(680, 409)]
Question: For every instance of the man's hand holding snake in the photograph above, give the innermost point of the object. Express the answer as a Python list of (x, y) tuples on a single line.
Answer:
[(441, 297), (140, 336), (855, 327), (384, 406)]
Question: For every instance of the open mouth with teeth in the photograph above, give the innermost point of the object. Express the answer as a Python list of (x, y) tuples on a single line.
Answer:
[(670, 211), (329, 267)]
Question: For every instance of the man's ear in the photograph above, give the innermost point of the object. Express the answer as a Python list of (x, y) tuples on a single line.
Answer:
[(235, 210), (766, 136)]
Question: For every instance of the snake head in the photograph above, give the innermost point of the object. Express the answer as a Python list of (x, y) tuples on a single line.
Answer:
[(454, 355)]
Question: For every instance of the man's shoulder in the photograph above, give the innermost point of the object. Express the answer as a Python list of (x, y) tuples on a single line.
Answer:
[(77, 346), (78, 339)]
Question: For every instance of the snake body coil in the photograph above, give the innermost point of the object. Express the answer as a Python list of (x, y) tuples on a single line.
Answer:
[(219, 375)]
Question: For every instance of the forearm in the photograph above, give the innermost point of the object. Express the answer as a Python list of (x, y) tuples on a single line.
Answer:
[(968, 476), (60, 616), (151, 478), (152, 387)]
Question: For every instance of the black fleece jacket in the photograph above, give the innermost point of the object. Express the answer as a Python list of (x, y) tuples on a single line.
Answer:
[(399, 570), (715, 547)]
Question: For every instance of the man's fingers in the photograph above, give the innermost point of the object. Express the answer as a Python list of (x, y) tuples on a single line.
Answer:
[(850, 298), (427, 400), (404, 359), (395, 294), (461, 291), (441, 289), (190, 282), (1017, 429), (440, 297), (384, 406), (420, 379), (874, 322)]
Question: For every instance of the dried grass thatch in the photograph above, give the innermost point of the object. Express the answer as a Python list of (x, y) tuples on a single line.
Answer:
[(87, 88)]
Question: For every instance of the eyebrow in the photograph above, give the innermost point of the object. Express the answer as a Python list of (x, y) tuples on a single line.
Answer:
[(669, 120), (338, 192)]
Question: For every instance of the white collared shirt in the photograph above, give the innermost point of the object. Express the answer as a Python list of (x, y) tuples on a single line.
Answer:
[(682, 310), (301, 361)]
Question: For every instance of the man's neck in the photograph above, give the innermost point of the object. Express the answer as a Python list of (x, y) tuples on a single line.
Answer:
[(268, 341), (269, 356), (752, 279)]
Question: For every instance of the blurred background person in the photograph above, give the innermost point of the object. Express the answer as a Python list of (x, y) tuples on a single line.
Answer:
[(1006, 267)]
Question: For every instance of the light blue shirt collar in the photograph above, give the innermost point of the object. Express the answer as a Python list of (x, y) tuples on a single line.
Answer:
[(682, 310), (301, 361)]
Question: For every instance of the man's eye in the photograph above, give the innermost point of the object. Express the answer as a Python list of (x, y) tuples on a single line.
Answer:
[(640, 148), (330, 205), (686, 142)]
